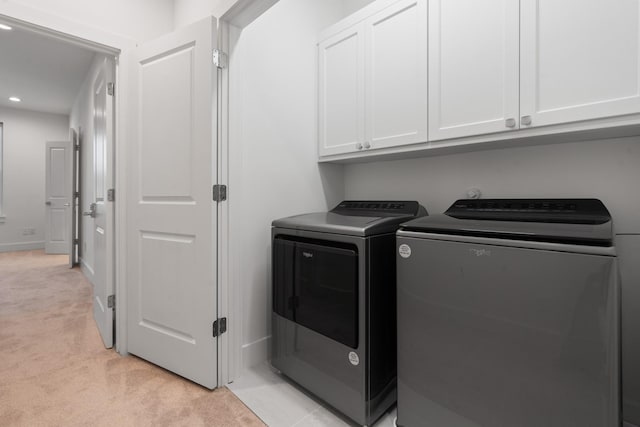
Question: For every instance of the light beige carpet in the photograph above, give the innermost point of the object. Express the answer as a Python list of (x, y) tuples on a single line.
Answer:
[(55, 371)]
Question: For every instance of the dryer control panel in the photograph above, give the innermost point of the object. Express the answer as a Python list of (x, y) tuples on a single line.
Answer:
[(377, 208)]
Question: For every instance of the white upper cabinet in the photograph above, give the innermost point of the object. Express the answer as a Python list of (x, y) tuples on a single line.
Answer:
[(396, 99), (373, 80), (473, 67), (579, 60), (341, 92), (400, 74)]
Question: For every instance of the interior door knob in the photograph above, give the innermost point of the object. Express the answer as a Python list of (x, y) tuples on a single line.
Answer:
[(47, 203), (92, 211)]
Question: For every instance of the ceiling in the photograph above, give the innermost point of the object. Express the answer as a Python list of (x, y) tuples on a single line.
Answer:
[(46, 73)]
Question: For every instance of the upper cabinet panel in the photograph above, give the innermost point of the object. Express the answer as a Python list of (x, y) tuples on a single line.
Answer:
[(579, 60), (341, 90), (396, 75), (473, 67)]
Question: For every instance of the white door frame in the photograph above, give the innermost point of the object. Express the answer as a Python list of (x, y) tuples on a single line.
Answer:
[(236, 14), (57, 27), (233, 16)]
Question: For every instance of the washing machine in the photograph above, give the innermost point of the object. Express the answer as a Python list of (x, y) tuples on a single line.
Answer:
[(508, 315), (334, 311)]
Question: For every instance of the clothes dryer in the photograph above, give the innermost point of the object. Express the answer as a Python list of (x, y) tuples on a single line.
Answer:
[(334, 309)]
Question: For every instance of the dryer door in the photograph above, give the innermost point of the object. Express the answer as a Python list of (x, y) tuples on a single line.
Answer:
[(315, 284), (326, 291)]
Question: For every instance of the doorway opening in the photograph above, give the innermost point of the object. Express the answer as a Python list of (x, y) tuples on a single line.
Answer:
[(58, 157)]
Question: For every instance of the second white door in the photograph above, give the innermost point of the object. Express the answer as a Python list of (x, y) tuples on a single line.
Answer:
[(101, 217), (58, 190), (171, 272)]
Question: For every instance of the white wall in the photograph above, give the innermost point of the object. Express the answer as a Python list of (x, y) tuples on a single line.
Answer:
[(186, 12), (25, 135), (81, 118), (273, 156), (351, 6), (607, 170), (136, 20)]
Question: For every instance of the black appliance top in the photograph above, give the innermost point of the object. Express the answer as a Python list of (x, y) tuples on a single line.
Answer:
[(356, 218), (585, 221)]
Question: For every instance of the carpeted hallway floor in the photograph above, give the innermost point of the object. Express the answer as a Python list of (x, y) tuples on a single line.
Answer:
[(54, 370)]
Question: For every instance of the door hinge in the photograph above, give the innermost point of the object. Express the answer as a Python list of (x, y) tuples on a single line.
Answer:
[(76, 194), (111, 301), (77, 147), (219, 58), (76, 241), (111, 88), (219, 193), (111, 194), (219, 327)]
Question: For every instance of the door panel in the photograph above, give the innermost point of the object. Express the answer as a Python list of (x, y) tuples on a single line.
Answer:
[(326, 291), (177, 158), (473, 67), (579, 59), (171, 293), (396, 75), (58, 189), (102, 223), (341, 91)]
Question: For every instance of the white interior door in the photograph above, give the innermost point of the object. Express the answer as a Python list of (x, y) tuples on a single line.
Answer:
[(58, 188), (102, 215), (171, 275)]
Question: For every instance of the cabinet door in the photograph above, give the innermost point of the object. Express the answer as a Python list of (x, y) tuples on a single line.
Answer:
[(579, 60), (473, 67), (341, 91), (396, 73)]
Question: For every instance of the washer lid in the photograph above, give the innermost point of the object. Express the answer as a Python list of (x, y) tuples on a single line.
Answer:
[(583, 221), (356, 218)]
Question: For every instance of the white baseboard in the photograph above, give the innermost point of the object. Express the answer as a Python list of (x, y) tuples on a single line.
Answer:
[(22, 246), (255, 352)]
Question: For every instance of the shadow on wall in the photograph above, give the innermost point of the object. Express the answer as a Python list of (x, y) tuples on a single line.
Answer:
[(332, 180)]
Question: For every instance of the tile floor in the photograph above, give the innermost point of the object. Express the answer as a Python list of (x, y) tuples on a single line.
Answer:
[(280, 403)]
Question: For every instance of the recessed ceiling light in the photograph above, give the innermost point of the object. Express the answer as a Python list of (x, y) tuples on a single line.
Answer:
[(5, 27), (15, 99)]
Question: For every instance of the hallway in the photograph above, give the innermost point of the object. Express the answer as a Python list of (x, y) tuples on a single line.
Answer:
[(54, 369)]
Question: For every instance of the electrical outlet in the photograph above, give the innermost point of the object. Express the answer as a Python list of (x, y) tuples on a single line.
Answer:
[(29, 231)]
